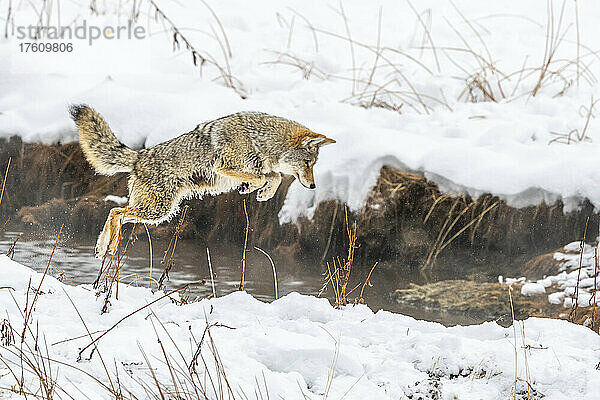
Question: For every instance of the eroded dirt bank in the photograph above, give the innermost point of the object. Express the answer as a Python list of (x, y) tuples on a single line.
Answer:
[(407, 221)]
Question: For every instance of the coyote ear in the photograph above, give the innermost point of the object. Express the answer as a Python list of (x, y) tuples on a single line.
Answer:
[(317, 141)]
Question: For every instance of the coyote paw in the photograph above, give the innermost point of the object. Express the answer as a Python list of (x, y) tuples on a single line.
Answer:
[(243, 189), (104, 245), (270, 188), (247, 187), (267, 192), (101, 247)]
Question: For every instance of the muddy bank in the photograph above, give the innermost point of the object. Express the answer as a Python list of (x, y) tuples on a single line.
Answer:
[(484, 301), (480, 301), (407, 221)]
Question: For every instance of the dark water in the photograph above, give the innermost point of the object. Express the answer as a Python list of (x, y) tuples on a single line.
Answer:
[(75, 258)]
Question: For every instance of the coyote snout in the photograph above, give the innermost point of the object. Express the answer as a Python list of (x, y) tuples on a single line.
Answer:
[(246, 151), (305, 177), (300, 160)]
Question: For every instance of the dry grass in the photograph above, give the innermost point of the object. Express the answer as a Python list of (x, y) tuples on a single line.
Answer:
[(170, 251), (201, 375), (454, 215), (339, 273), (201, 57), (109, 274), (30, 307), (4, 181), (577, 135), (273, 268), (386, 83)]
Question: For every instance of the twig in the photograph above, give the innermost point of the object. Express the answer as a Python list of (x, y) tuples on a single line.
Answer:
[(366, 282), (11, 250), (8, 16), (512, 313), (29, 310), (333, 217), (150, 250), (174, 239), (595, 288), (245, 245), (343, 14), (427, 33), (573, 312), (212, 279), (91, 337), (4, 181), (273, 267), (5, 223)]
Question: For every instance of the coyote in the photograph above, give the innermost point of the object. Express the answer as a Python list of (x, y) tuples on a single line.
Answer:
[(247, 151)]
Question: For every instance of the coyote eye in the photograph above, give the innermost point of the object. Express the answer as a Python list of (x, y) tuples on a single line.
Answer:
[(307, 162)]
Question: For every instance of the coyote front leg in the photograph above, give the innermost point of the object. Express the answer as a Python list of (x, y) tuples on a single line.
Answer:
[(270, 188), (251, 182)]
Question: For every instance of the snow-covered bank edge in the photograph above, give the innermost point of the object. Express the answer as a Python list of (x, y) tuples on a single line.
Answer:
[(297, 344), (572, 280), (460, 116)]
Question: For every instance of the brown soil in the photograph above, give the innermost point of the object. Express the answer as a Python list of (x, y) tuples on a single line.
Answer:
[(406, 221)]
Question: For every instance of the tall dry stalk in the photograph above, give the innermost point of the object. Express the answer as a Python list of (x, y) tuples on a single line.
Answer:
[(243, 277), (573, 313), (2, 191), (273, 268), (200, 58), (553, 40), (516, 355), (29, 310), (595, 290), (170, 262)]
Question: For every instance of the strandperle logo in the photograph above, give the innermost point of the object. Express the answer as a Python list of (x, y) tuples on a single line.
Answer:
[(81, 31)]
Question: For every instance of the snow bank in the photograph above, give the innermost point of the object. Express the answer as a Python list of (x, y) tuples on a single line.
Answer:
[(283, 66), (575, 284), (290, 345), (531, 288), (116, 199)]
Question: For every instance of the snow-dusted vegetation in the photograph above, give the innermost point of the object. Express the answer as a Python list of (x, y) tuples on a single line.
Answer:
[(298, 347)]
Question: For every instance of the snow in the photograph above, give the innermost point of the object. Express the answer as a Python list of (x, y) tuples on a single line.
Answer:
[(577, 278), (116, 199), (532, 288), (297, 344), (149, 93)]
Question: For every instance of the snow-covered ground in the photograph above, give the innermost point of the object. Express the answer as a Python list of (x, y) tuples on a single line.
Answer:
[(297, 347), (576, 279), (435, 64)]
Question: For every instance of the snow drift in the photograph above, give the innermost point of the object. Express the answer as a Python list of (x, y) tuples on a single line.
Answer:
[(297, 345)]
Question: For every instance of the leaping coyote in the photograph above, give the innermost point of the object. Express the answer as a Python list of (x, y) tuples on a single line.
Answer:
[(247, 151)]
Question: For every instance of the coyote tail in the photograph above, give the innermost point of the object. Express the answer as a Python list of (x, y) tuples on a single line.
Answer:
[(101, 148)]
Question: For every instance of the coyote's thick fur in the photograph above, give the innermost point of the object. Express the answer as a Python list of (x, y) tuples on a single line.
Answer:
[(247, 151)]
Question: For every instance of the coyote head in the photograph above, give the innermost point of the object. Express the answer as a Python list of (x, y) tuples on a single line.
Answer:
[(300, 159)]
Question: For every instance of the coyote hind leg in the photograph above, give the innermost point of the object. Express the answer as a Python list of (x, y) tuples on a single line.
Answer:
[(145, 205), (109, 237)]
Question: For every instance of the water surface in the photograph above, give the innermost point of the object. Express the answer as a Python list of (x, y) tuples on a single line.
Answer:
[(75, 258)]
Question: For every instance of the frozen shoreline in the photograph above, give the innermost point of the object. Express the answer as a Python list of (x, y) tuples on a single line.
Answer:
[(150, 94)]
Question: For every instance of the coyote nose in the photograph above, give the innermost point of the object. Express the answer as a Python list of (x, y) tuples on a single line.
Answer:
[(312, 186)]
